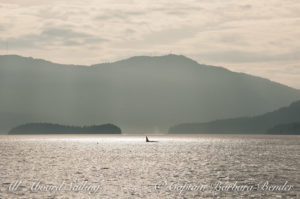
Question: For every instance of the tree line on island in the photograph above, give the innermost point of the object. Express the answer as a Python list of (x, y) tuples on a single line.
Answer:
[(48, 128)]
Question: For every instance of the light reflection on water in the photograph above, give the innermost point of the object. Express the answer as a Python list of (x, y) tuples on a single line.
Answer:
[(127, 167)]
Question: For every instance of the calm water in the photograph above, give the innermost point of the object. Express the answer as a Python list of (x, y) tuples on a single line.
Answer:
[(127, 167)]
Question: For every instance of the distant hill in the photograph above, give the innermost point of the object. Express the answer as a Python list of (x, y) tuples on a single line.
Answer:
[(141, 94), (281, 121), (290, 128), (47, 128)]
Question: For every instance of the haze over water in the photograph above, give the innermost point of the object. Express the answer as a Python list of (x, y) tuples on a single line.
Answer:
[(125, 166)]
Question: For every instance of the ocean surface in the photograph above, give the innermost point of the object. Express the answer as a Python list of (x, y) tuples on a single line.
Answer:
[(125, 166)]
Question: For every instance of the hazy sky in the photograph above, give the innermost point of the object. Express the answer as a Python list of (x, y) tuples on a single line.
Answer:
[(253, 36)]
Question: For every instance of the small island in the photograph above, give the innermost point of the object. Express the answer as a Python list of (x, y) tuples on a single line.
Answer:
[(48, 128)]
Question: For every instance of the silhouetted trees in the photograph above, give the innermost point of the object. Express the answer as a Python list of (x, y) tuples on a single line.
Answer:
[(48, 128)]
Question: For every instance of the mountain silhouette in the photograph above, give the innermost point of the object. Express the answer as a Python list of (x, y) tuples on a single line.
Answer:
[(141, 94), (288, 128), (282, 121)]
